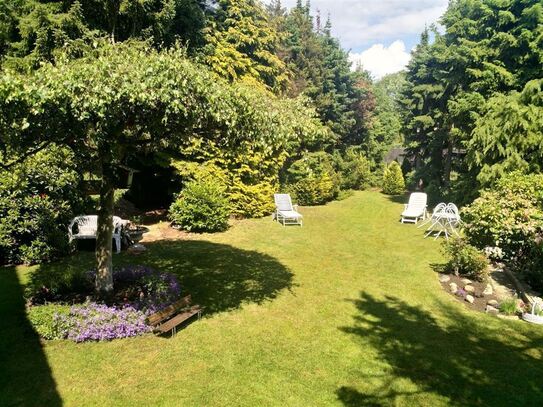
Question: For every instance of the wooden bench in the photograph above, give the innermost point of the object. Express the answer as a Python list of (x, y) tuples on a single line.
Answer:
[(173, 315)]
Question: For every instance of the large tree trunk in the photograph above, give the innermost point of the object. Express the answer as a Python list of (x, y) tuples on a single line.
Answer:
[(104, 252)]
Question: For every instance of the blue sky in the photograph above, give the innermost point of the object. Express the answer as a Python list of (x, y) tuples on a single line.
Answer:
[(379, 33)]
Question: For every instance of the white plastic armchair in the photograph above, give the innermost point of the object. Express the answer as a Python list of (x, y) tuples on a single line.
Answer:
[(285, 212), (415, 209), (87, 228)]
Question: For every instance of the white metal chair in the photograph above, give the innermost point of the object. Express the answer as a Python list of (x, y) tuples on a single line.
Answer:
[(285, 212), (415, 209), (440, 207), (87, 228)]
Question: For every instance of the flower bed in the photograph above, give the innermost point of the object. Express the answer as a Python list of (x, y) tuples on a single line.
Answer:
[(98, 322), (139, 292)]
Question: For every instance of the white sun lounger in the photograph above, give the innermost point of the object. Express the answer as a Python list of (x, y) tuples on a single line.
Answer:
[(416, 208), (285, 212)]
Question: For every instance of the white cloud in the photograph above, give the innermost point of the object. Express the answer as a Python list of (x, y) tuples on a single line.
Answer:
[(381, 60), (360, 24)]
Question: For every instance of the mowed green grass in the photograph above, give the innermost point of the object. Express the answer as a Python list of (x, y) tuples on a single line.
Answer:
[(344, 311)]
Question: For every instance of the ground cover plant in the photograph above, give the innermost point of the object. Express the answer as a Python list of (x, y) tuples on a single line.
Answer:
[(355, 317)]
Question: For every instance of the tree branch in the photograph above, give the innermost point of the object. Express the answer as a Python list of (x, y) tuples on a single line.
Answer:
[(25, 156)]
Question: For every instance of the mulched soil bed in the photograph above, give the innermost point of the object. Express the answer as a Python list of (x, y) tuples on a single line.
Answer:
[(480, 300)]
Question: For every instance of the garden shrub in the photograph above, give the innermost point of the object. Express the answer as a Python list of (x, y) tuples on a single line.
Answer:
[(354, 168), (510, 217), (202, 206), (466, 260), (393, 182), (312, 180), (530, 265), (38, 198), (251, 200), (250, 178)]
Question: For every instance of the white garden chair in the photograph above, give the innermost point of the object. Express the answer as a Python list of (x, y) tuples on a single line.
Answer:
[(285, 212), (415, 209), (87, 228), (440, 207)]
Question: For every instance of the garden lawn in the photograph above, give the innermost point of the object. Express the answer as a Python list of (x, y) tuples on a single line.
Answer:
[(344, 311)]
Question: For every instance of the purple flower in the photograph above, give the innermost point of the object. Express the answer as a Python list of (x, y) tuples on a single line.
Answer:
[(97, 322)]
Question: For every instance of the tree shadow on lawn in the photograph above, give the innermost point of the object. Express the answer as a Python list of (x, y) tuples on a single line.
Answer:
[(399, 199), (25, 376), (219, 277), (464, 362)]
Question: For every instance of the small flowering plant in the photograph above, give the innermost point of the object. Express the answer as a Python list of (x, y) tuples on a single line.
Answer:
[(494, 253), (98, 322), (461, 293)]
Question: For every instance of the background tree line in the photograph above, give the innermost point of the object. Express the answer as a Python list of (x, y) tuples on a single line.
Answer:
[(472, 105)]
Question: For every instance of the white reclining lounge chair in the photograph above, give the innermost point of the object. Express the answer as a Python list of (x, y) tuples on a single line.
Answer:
[(416, 208), (285, 212), (87, 227)]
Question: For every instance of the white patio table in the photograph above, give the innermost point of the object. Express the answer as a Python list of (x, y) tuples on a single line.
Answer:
[(445, 222)]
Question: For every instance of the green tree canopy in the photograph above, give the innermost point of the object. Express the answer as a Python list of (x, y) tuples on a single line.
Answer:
[(509, 136), (124, 99), (242, 45)]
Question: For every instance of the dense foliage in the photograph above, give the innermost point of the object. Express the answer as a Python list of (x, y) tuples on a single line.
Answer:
[(38, 198), (466, 260), (473, 100), (242, 45), (312, 180), (202, 206), (510, 217), (33, 31), (354, 169)]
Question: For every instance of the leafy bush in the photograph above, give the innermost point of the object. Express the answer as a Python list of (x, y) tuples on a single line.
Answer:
[(509, 216), (201, 207), (312, 180), (251, 200), (466, 260), (45, 320), (354, 168), (393, 182), (37, 201)]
